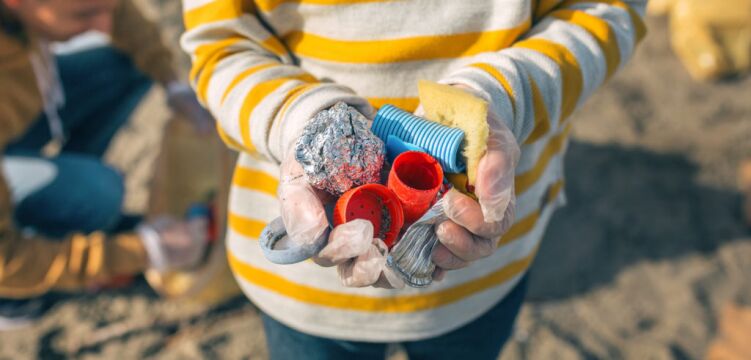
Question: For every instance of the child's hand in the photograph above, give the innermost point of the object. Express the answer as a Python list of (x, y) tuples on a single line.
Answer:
[(360, 258), (182, 100), (335, 152), (302, 206), (474, 228)]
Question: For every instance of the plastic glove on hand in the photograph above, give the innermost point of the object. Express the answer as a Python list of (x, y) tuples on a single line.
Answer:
[(175, 245), (302, 229), (359, 257), (183, 101), (475, 226)]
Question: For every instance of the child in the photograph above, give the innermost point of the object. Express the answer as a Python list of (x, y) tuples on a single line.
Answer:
[(265, 68)]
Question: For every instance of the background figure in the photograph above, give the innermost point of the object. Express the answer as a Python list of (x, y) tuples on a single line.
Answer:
[(62, 220), (82, 194)]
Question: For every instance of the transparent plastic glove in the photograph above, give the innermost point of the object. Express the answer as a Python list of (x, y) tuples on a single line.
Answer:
[(365, 269), (183, 101), (360, 258), (475, 226), (303, 229), (175, 245), (346, 241), (303, 213)]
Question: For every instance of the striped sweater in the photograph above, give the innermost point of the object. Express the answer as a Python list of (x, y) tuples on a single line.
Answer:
[(265, 67)]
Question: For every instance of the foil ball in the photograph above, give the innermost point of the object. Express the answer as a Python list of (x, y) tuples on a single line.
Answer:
[(338, 151)]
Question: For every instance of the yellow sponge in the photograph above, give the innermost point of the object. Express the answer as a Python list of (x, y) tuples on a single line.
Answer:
[(454, 107)]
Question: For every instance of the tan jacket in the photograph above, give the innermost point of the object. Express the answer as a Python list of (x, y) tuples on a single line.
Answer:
[(33, 265)]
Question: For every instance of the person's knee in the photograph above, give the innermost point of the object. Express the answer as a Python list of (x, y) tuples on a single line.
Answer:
[(85, 196), (100, 193), (107, 191)]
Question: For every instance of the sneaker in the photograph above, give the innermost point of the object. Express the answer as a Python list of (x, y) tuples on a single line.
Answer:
[(16, 314)]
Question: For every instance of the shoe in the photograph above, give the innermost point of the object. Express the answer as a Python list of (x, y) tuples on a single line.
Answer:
[(17, 314)]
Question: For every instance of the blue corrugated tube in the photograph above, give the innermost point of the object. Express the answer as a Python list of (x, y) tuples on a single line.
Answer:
[(441, 142)]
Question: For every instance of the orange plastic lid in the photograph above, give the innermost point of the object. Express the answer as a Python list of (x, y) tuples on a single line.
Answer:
[(375, 203)]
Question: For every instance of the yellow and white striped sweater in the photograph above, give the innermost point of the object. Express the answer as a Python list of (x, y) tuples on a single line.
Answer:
[(265, 67)]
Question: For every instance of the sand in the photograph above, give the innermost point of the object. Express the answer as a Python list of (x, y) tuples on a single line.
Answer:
[(638, 266)]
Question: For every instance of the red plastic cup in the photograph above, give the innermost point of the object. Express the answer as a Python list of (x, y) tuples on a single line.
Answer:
[(375, 203), (415, 178)]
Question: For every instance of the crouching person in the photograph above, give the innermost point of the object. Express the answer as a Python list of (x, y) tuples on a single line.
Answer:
[(61, 223)]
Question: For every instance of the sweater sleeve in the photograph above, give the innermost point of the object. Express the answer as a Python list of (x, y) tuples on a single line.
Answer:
[(572, 47), (33, 265), (246, 77), (141, 38)]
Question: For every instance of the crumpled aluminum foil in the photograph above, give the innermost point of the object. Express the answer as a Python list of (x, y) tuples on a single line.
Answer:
[(338, 151), (412, 257)]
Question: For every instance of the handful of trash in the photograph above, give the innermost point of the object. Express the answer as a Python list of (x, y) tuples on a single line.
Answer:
[(390, 174)]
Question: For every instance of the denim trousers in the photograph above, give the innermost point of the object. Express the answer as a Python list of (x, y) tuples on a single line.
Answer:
[(481, 339), (75, 191)]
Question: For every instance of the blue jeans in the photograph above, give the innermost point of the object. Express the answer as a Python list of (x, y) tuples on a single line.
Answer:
[(102, 88), (482, 338)]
